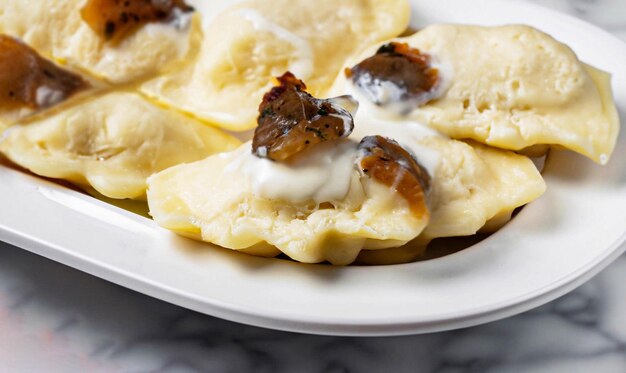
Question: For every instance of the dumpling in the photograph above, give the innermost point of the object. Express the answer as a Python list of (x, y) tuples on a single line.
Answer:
[(250, 43), (112, 143), (511, 87), (300, 187), (476, 184), (214, 200), (30, 83), (113, 40), (472, 183)]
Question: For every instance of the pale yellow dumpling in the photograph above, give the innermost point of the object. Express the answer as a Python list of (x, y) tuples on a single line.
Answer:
[(475, 183), (249, 44), (56, 29), (215, 200), (112, 143), (474, 187), (513, 87), (472, 183), (8, 117)]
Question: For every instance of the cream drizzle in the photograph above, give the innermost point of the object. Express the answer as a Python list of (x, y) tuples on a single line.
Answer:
[(321, 174), (388, 95), (372, 119), (406, 133)]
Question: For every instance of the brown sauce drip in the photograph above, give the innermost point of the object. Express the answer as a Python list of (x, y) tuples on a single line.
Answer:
[(291, 120), (390, 164), (116, 19), (28, 80), (397, 63)]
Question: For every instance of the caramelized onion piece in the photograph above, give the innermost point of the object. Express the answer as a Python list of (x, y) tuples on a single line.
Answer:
[(396, 73), (28, 80), (116, 19), (291, 120), (389, 163)]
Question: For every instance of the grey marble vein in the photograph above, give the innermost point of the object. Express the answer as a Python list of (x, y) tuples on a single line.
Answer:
[(56, 319)]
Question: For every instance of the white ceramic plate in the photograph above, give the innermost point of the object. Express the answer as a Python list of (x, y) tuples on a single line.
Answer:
[(552, 246)]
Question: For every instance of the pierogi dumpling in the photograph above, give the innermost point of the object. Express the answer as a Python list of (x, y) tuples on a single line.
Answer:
[(472, 183), (225, 200), (112, 143), (58, 30), (299, 187), (476, 183), (250, 43), (510, 87)]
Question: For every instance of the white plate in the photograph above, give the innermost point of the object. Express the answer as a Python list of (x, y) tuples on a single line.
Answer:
[(552, 246)]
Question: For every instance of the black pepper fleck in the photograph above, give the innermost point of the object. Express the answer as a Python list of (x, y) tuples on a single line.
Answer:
[(109, 29)]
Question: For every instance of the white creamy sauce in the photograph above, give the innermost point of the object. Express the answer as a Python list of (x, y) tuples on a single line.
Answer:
[(446, 76), (406, 133), (344, 119), (371, 109), (303, 66), (46, 96), (324, 172), (345, 106), (387, 96), (321, 174), (180, 20), (372, 119), (380, 92)]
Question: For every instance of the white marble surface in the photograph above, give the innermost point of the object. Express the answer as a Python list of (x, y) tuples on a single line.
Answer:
[(56, 319)]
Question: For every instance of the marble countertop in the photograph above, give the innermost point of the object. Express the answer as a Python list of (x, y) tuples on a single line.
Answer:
[(54, 318)]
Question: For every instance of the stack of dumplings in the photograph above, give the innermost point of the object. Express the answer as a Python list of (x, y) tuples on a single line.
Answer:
[(367, 144)]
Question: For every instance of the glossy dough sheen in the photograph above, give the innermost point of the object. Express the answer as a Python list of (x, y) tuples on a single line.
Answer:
[(249, 44), (56, 29), (209, 200), (112, 143), (513, 87)]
